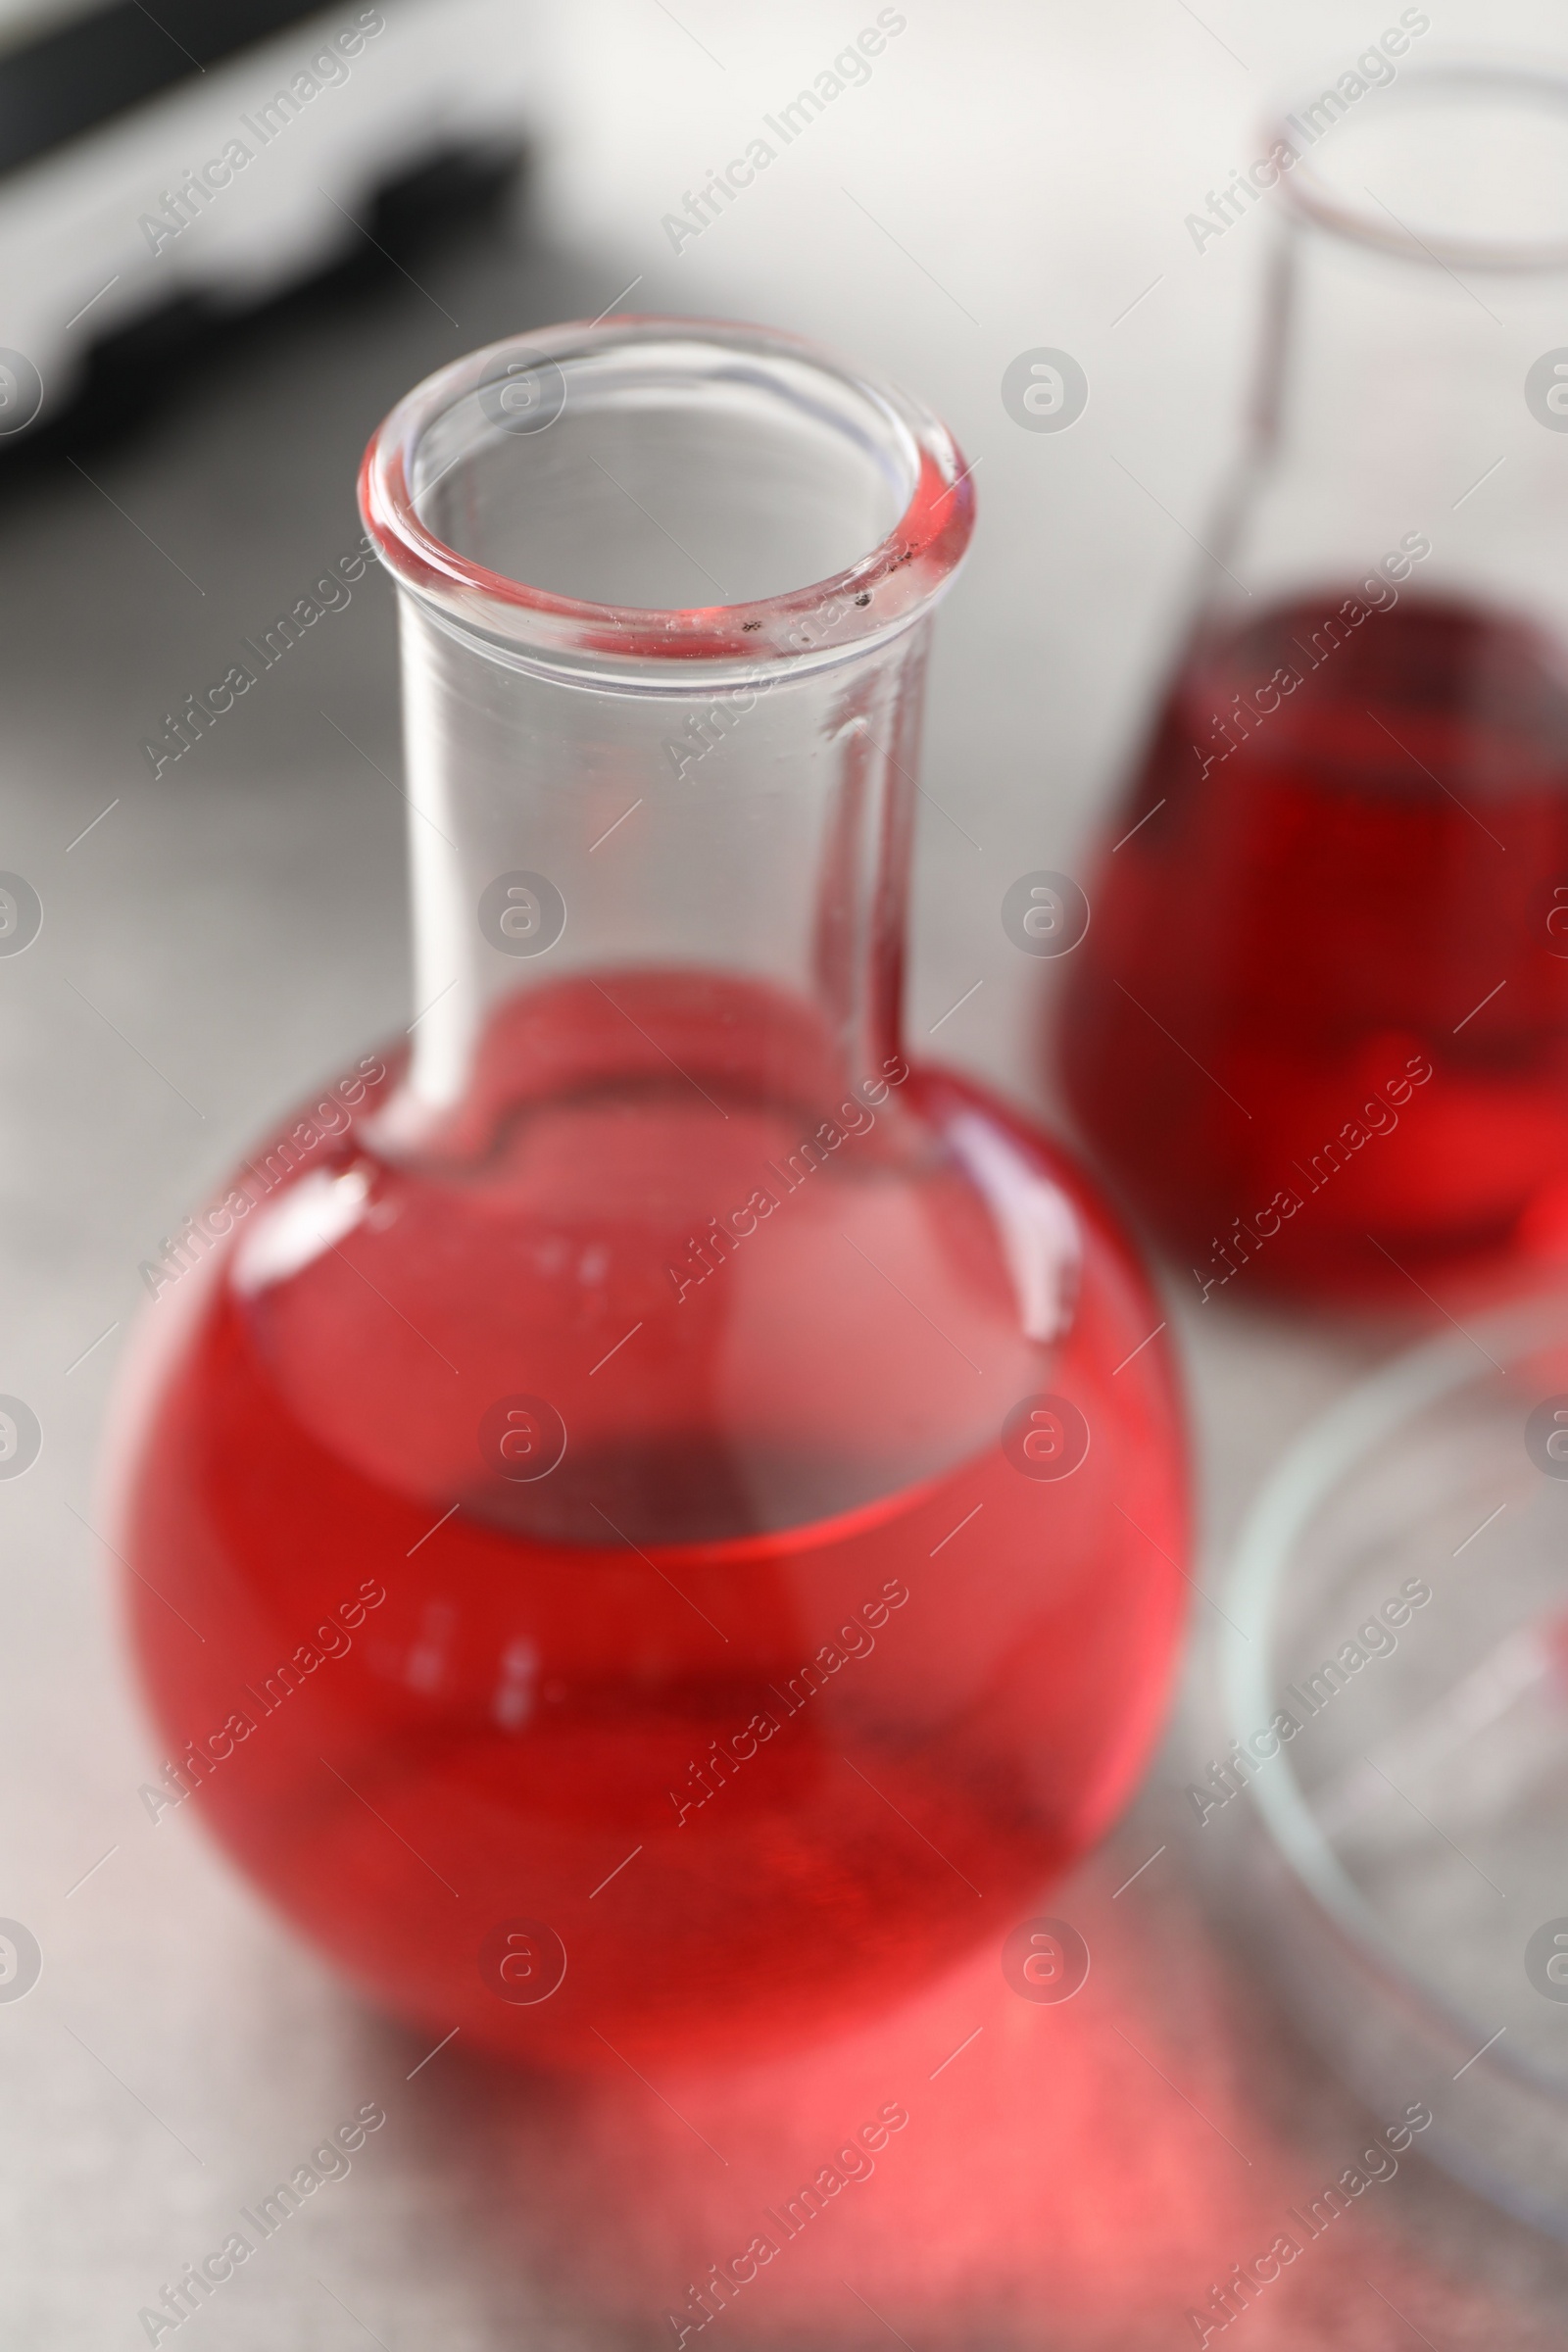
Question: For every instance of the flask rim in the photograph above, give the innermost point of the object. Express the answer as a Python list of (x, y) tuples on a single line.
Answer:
[(1312, 197), (879, 595)]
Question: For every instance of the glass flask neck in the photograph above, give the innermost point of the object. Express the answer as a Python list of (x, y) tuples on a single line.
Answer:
[(758, 830), (1424, 264), (651, 822)]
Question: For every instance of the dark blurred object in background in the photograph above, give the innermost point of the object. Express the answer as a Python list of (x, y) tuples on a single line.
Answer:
[(141, 211)]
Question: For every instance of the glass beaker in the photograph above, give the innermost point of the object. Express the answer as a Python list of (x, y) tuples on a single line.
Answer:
[(1319, 1028), (659, 1525)]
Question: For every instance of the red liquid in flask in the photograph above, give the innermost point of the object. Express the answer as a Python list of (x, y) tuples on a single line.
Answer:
[(1321, 1019), (783, 1686)]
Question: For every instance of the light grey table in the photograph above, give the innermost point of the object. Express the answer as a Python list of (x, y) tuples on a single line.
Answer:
[(218, 939)]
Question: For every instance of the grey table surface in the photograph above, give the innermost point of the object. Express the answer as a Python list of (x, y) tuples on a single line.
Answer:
[(219, 939)]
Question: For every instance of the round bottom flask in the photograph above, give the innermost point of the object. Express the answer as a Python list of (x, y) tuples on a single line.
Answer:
[(659, 1530)]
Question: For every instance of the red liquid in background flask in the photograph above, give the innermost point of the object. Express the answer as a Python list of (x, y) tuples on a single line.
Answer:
[(1319, 1023), (787, 1683)]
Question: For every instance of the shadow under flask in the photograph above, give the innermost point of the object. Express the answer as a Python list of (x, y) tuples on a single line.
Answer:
[(659, 1530), (1318, 1030)]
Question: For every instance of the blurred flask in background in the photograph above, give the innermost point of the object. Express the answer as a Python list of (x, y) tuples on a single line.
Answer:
[(1319, 1026)]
